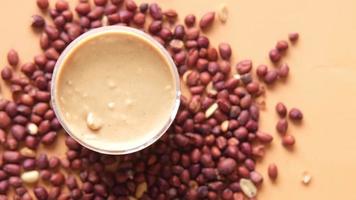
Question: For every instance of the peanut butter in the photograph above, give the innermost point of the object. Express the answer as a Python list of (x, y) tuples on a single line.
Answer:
[(115, 90)]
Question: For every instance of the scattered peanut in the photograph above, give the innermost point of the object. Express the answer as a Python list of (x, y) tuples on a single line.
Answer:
[(248, 188), (306, 178), (225, 125), (185, 76), (32, 128), (141, 189), (27, 152), (273, 171), (210, 89), (30, 176), (210, 111), (223, 13)]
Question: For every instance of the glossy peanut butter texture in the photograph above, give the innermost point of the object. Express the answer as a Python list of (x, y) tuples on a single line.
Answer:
[(114, 91), (322, 82)]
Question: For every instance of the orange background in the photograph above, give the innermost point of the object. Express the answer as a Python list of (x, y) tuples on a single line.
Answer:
[(322, 83)]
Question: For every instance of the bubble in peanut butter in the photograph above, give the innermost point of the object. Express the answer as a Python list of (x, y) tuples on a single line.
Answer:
[(76, 90), (69, 82), (85, 95), (111, 105), (93, 122), (111, 84), (128, 102), (61, 99)]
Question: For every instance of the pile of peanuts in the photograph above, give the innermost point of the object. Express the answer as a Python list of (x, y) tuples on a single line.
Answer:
[(209, 152)]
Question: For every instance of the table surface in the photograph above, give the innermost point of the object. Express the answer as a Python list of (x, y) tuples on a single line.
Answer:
[(322, 83)]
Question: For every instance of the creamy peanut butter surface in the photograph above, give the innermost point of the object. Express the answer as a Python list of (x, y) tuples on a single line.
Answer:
[(115, 91)]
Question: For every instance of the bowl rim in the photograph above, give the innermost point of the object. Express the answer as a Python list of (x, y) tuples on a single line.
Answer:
[(115, 29)]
